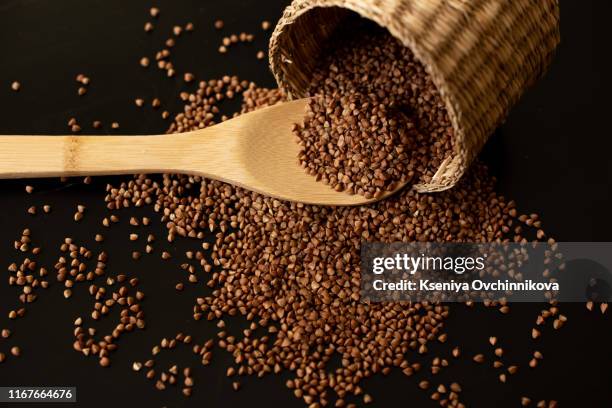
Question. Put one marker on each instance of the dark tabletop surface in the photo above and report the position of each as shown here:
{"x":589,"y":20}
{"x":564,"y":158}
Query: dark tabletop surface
{"x":552,"y":156}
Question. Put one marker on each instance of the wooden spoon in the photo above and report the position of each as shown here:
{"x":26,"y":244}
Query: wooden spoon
{"x":256,"y":151}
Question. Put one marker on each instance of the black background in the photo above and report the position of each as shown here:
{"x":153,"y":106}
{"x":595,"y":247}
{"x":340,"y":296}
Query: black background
{"x":552,"y":156}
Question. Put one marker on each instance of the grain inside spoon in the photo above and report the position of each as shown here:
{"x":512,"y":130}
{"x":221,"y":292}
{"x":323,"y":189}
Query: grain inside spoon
{"x":256,"y":151}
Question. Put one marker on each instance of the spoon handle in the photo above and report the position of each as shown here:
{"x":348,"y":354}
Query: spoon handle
{"x":50,"y":156}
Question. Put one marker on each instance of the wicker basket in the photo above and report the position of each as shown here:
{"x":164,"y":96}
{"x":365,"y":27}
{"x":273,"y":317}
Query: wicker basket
{"x":481,"y":54}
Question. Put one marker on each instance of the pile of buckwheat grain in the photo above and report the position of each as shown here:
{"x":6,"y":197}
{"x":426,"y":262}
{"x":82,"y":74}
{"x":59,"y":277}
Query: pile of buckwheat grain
{"x":294,"y":269}
{"x":376,"y":119}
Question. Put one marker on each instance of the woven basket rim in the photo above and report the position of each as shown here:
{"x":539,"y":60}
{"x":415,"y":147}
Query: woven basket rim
{"x":409,"y":42}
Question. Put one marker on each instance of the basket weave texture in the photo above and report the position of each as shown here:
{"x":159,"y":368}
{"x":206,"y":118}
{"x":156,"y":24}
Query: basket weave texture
{"x":481,"y":54}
